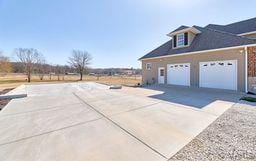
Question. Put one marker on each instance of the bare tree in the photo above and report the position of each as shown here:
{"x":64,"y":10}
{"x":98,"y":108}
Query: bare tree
{"x":28,"y":57}
{"x":41,"y":66}
{"x":58,"y":71}
{"x":80,"y":61}
{"x":5,"y":65}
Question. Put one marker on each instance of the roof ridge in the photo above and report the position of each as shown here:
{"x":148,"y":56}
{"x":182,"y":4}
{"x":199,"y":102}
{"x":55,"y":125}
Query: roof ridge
{"x":240,"y":21}
{"x":227,"y":33}
{"x":214,"y":24}
{"x":184,"y":25}
{"x":232,"y":22}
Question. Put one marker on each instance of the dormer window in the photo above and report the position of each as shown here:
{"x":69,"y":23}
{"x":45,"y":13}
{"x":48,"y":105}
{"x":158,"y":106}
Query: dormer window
{"x":180,"y":40}
{"x":183,"y":36}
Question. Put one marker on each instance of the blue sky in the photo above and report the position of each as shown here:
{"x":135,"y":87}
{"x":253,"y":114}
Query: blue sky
{"x":115,"y":32}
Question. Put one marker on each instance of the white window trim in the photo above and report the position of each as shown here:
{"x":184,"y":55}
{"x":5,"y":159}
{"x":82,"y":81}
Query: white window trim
{"x":183,"y":40}
{"x":148,"y":66}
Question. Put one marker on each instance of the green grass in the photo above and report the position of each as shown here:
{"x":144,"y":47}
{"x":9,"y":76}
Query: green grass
{"x":249,"y":99}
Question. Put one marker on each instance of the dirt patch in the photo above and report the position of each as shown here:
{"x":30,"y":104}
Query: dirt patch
{"x":5,"y":101}
{"x":5,"y":91}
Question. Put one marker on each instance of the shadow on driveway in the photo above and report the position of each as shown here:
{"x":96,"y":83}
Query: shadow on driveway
{"x":193,"y":96}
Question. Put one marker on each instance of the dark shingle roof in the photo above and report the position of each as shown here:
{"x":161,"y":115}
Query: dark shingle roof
{"x":208,"y":39}
{"x":180,"y":28}
{"x":236,"y":28}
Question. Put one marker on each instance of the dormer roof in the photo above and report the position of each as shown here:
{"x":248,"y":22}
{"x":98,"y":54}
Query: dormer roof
{"x":183,"y":29}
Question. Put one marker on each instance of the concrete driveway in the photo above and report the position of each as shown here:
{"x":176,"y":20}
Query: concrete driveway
{"x":87,"y":121}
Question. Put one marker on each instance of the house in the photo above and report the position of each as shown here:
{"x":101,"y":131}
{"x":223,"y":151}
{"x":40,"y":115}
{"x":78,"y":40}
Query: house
{"x":129,"y":72}
{"x":214,"y":56}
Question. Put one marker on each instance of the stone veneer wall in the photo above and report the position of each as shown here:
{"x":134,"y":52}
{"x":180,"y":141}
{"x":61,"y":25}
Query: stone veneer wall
{"x":252,"y":69}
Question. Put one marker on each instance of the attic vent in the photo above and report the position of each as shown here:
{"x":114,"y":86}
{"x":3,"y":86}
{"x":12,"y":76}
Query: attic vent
{"x":221,"y":63}
{"x":212,"y":64}
{"x":230,"y":64}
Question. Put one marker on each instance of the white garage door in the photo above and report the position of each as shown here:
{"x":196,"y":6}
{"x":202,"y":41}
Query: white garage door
{"x":178,"y":74}
{"x":218,"y":74}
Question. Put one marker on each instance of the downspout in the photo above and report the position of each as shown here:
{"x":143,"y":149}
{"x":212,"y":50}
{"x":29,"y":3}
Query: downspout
{"x":246,"y":69}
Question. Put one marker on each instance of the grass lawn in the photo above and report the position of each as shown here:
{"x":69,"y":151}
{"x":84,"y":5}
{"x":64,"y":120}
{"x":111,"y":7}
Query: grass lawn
{"x":13,"y":80}
{"x":249,"y":99}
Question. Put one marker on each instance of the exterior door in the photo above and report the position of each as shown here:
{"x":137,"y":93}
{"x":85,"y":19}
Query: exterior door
{"x":218,"y":74}
{"x":161,"y":74}
{"x":178,"y":74}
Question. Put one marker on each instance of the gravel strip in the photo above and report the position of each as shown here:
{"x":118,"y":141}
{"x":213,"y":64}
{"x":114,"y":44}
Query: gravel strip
{"x":231,"y":137}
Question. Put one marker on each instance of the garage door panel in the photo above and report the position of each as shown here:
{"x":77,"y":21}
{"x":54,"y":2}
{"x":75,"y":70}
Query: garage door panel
{"x":219,"y":74}
{"x":178,"y":74}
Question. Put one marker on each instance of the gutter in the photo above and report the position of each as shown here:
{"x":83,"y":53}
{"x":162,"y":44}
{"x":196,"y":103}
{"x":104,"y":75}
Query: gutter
{"x":246,"y":69}
{"x":198,"y":52}
{"x":247,"y":33}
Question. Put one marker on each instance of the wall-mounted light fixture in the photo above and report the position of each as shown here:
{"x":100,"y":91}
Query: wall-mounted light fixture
{"x":241,"y":51}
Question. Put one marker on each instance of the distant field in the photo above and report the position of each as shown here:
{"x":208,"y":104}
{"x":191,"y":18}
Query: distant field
{"x":13,"y":80}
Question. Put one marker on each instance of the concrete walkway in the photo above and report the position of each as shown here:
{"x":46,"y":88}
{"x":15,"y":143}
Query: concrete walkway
{"x":87,"y":121}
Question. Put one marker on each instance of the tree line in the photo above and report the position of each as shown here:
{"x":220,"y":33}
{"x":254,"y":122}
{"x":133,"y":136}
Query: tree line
{"x":31,"y":61}
{"x":5,"y":65}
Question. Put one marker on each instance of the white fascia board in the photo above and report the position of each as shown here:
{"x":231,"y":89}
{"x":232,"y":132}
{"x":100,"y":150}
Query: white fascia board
{"x":198,"y":52}
{"x":247,"y":33}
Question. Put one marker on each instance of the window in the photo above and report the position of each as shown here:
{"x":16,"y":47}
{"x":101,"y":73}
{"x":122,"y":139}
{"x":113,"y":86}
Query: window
{"x":148,"y":66}
{"x":180,"y":40}
{"x":161,"y":72}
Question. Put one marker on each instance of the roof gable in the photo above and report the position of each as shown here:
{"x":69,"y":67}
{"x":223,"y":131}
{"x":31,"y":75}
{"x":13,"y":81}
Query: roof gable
{"x":183,"y":29}
{"x":180,"y":28}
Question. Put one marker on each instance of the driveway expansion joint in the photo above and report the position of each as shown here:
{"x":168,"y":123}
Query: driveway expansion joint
{"x":138,"y":108}
{"x":38,"y":110}
{"x":113,"y":122}
{"x":48,"y":132}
